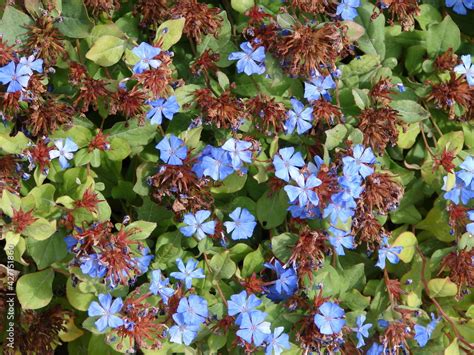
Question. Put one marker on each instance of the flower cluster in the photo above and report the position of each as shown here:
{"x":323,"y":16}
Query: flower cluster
{"x":237,"y":176}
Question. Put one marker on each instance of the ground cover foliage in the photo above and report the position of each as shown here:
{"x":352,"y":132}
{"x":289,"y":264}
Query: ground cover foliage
{"x":233,"y":177}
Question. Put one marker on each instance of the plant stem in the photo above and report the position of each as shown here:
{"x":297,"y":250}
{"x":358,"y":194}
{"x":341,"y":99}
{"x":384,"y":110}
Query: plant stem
{"x":216,"y":283}
{"x":438,"y":306}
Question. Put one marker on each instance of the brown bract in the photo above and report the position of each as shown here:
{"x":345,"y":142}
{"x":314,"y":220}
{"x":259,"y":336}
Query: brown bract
{"x":6,"y":52}
{"x":310,"y":6}
{"x":309,"y":252}
{"x":446,"y":61}
{"x":454,"y":91}
{"x":305,"y":48}
{"x":130,"y":103}
{"x":201,"y":20}
{"x":90,"y":90}
{"x":157,"y":80}
{"x":381,"y":91}
{"x":180,"y":187}
{"x":325,"y":111}
{"x":98,"y":6}
{"x":379,"y":126}
{"x":403,"y":10}
{"x":37,"y":332}
{"x":381,"y":193}
{"x":45,"y":116}
{"x":46,"y":39}
{"x":151,"y":11}
{"x":225,"y":111}
{"x":459,"y":265}
{"x":205,"y":63}
{"x":266,"y":113}
{"x":147,"y":331}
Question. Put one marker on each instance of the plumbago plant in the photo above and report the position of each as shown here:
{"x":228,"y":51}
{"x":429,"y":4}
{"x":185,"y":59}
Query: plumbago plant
{"x":237,"y":177}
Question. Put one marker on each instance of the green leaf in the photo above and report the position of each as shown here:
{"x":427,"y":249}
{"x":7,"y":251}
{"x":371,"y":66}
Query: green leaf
{"x":453,"y":348}
{"x":442,"y":287}
{"x":408,"y":241}
{"x":440,"y":37}
{"x":231,"y":184}
{"x":132,"y":132}
{"x":170,"y":32}
{"x":223,"y":267}
{"x":436,"y":221}
{"x":75,"y":21}
{"x":140,"y":229}
{"x":361,"y":98}
{"x":106,"y":51}
{"x":335,"y":136}
{"x":410,"y":111}
{"x":40,"y":229}
{"x":282,"y":245}
{"x":272,"y":209}
{"x":46,"y":252}
{"x":242,"y":5}
{"x":407,"y":137}
{"x":253,"y":262}
{"x":428,"y":15}
{"x":35,"y":290}
{"x":119,"y":149}
{"x":76,"y":298}
{"x":452,"y":141}
{"x":14,"y":25}
{"x":373,"y":40}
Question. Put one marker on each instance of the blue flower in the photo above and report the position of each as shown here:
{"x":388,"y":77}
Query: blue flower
{"x":92,"y":266}
{"x":423,"y":334}
{"x":250,"y":61}
{"x":340,"y":239}
{"x":467,"y":172}
{"x":15,"y":75}
{"x":318,"y":88}
{"x":29,"y":64}
{"x":146,"y":53}
{"x":339,"y":209}
{"x":287,"y":162}
{"x":239,"y":304}
{"x":143,"y":262}
{"x":330,"y":318}
{"x":253,"y":328}
{"x":277,"y":342}
{"x":188,"y":272}
{"x":466,"y":67}
{"x":470,"y":226}
{"x":300,"y":117}
{"x":162,"y":107}
{"x":351,"y":186}
{"x":195,"y":225}
{"x":459,"y":6}
{"x":459,"y":192}
{"x":214,"y":162}
{"x":239,"y":152}
{"x":107,"y":311}
{"x":243,"y":224}
{"x":160,"y":286}
{"x":375,"y":349}
{"x":286,"y":283}
{"x":359,"y":162}
{"x":304,"y":191}
{"x":347,"y":9}
{"x":362,"y":330}
{"x":182,"y":332}
{"x":172,"y":150}
{"x":390,"y":253}
{"x":194,"y":309}
{"x":64,"y":151}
